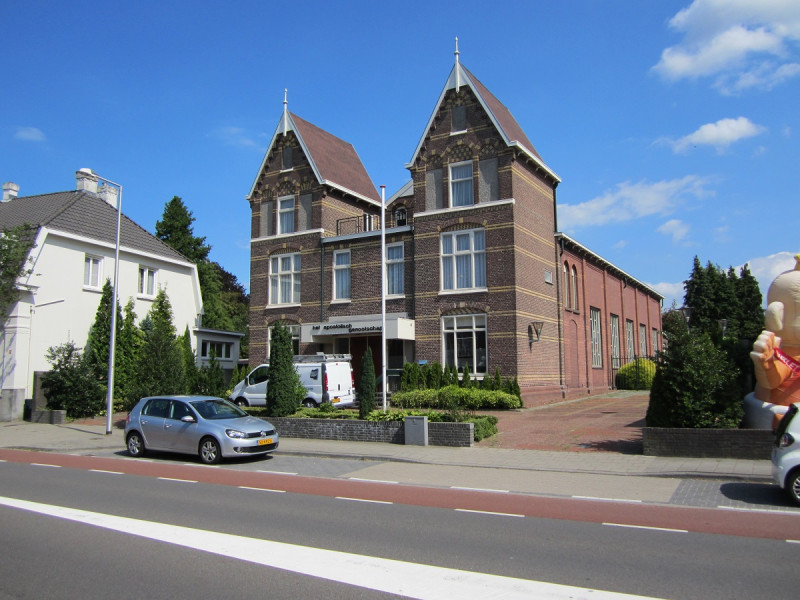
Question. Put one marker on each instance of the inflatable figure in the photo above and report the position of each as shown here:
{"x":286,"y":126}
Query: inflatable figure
{"x":776,"y":354}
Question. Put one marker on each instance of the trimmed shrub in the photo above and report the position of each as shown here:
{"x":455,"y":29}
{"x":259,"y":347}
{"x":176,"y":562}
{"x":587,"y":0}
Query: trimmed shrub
{"x":636,"y":375}
{"x":456,"y":398}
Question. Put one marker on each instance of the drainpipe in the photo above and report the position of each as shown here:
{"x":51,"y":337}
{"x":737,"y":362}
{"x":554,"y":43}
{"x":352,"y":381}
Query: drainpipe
{"x":559,"y":293}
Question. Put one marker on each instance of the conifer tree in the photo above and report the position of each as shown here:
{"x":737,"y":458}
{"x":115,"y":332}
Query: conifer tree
{"x":365,"y":393}
{"x":751,"y":316}
{"x":98,"y":343}
{"x":282,"y":381}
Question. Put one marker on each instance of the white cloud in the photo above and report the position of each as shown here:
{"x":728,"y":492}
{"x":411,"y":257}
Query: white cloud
{"x":672,"y":292}
{"x":675,"y":228}
{"x":742,"y":44}
{"x":29,"y":134}
{"x":720,"y":135}
{"x":767,"y":268}
{"x":631,"y":201}
{"x":236,"y":136}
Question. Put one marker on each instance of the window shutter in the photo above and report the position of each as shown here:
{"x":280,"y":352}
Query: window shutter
{"x":434,"y":199}
{"x":267,"y":219}
{"x":487,"y":184}
{"x":305,"y":212}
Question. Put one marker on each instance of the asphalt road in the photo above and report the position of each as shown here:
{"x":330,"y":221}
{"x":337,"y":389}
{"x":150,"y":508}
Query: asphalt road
{"x":650,"y":550}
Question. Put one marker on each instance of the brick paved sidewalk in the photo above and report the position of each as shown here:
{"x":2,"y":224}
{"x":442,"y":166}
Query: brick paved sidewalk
{"x":605,"y":423}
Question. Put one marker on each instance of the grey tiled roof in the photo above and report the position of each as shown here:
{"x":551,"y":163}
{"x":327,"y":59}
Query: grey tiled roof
{"x":83,"y":214}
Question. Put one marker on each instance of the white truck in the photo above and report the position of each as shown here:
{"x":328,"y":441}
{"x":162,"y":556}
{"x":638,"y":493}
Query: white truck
{"x":326,"y":377}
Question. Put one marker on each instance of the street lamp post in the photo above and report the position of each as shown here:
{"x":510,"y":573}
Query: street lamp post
{"x":113,"y":337}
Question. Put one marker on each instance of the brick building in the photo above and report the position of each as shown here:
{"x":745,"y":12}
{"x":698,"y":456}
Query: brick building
{"x":477,"y":272}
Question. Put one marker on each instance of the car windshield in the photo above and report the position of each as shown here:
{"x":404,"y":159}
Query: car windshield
{"x":217,"y":409}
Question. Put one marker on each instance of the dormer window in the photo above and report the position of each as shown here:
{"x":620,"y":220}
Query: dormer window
{"x":458,"y":119}
{"x":287,"y":158}
{"x":400,"y":217}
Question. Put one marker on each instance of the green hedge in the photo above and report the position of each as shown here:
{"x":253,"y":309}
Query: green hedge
{"x":636,"y":375}
{"x":457,"y":398}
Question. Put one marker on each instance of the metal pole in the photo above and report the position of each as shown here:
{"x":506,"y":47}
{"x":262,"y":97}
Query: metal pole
{"x":383,"y":295}
{"x":112,"y":342}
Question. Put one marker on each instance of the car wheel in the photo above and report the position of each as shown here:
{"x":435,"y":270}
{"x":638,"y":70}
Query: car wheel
{"x":135,"y":444}
{"x":309,"y":403}
{"x":210,"y":452}
{"x":241,"y":403}
{"x":793,"y":486}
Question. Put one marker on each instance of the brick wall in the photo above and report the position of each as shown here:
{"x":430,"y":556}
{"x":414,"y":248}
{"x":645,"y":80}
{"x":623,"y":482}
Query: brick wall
{"x":708,"y":443}
{"x":439,"y":434}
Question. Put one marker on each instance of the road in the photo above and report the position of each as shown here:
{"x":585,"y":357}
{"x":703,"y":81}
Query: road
{"x":335,"y":536}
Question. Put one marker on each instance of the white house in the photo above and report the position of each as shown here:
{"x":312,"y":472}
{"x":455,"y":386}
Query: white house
{"x":72,"y":258}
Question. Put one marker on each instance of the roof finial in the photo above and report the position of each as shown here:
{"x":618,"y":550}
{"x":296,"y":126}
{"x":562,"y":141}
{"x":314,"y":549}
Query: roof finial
{"x":285,"y":110}
{"x":458,"y":69}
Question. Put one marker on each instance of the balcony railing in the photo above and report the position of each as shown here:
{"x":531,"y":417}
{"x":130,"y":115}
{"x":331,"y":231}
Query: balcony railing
{"x":365,"y":222}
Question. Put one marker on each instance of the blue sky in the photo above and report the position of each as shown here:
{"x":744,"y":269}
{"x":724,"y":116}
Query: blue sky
{"x":674,"y":125}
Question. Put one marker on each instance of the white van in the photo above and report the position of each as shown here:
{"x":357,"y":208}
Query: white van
{"x":326,"y":377}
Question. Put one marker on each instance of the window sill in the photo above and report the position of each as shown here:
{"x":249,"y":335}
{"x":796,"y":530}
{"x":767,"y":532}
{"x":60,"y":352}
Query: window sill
{"x":145,"y":297}
{"x":460,"y":132}
{"x":464,"y":291}
{"x":95,"y":290}
{"x":342,"y":301}
{"x":294,"y":305}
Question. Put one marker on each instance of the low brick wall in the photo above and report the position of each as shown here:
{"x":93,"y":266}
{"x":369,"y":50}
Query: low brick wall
{"x":708,"y":443}
{"x":391,"y":432}
{"x":54,"y":417}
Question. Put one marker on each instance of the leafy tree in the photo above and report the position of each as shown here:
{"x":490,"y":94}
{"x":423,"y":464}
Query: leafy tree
{"x":282,"y":381}
{"x":365,"y":392}
{"x":15,"y":244}
{"x":159,"y":368}
{"x":695,"y":384}
{"x":71,"y":384}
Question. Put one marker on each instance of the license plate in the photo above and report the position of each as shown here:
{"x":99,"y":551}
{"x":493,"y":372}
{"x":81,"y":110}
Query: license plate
{"x":337,"y":399}
{"x":265,"y":441}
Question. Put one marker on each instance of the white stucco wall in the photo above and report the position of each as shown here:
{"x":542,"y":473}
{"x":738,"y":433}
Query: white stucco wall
{"x":63,"y":309}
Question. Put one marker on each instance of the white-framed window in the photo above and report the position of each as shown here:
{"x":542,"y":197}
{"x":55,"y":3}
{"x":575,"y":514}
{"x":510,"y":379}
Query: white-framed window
{"x":341,"y":275}
{"x":294,"y":331}
{"x":458,"y":119}
{"x":629,"y":342}
{"x":565,"y":296}
{"x":597,"y":338}
{"x":463,"y":260}
{"x":217,"y":349}
{"x":147,"y":282}
{"x":286,"y":214}
{"x":464,"y":342}
{"x":616,"y":363}
{"x":284,"y":279}
{"x":395,"y":270}
{"x":461,"y":192}
{"x":92,"y":271}
{"x":654,"y":340}
{"x":642,"y":339}
{"x":548,"y":276}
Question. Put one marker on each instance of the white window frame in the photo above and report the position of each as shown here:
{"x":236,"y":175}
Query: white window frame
{"x":288,"y":226}
{"x":630,"y":343}
{"x":616,"y":361}
{"x":92,"y":272}
{"x":284,"y":276}
{"x":469,"y":338}
{"x":452,"y":261}
{"x":642,"y":339}
{"x":466,"y":183}
{"x":341,"y":270}
{"x":225,"y":348}
{"x":147,"y":285}
{"x":597,"y":338}
{"x":395,"y":264}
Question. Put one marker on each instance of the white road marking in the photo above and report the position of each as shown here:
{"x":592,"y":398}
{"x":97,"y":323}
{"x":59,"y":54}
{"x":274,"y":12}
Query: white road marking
{"x":179,"y":480}
{"x":647,"y":527}
{"x":607,"y":499}
{"x":106,"y":472}
{"x":473,"y":489}
{"x":276,"y":472}
{"x":363,"y":500}
{"x":391,"y":576}
{"x":373,"y":480}
{"x":244,"y":487}
{"x":486,"y":512}
{"x":46,"y":465}
{"x":762,"y":510}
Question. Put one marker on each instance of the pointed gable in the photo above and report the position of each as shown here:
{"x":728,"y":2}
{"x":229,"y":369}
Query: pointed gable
{"x":500,"y":116}
{"x":335,"y":163}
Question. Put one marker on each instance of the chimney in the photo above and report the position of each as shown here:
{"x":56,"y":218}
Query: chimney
{"x":108,"y":193}
{"x":10,"y":191}
{"x":86,"y":180}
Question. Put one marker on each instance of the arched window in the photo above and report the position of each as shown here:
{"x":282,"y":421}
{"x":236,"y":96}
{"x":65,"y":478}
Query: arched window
{"x":565,"y":295}
{"x":400,"y":217}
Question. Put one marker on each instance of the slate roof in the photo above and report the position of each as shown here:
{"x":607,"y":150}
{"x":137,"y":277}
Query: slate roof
{"x":83,"y":214}
{"x":334,"y":161}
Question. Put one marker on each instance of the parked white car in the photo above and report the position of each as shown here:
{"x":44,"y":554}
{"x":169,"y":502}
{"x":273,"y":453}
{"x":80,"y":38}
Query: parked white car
{"x":326,"y":377}
{"x":786,"y":454}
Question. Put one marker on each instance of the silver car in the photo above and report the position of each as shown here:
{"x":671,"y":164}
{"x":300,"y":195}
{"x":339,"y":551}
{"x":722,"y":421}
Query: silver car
{"x":786,"y":454}
{"x":210,"y":427}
